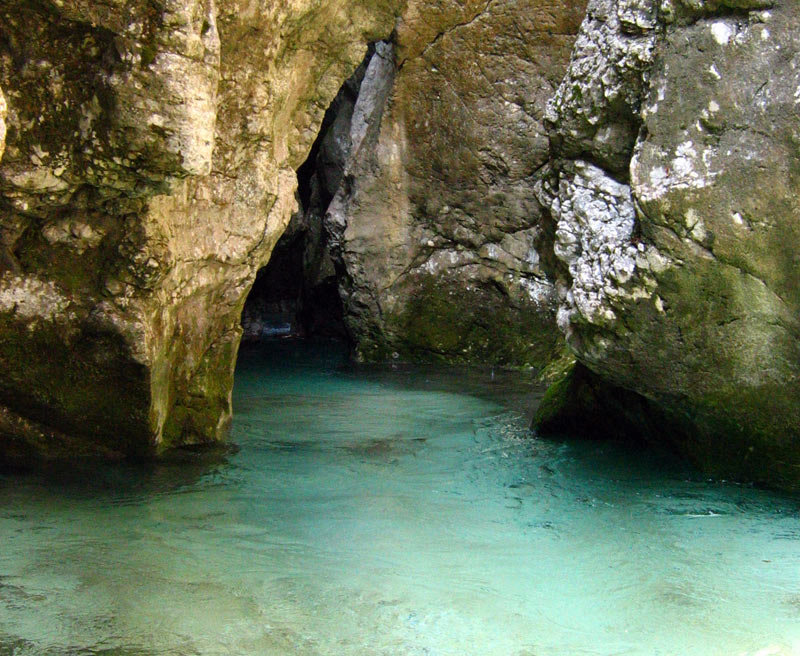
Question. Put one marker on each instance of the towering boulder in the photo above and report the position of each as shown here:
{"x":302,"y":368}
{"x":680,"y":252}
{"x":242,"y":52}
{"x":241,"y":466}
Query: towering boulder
{"x":434,"y":225}
{"x":675,"y":200}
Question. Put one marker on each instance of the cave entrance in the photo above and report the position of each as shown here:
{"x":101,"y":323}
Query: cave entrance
{"x":297,"y":293}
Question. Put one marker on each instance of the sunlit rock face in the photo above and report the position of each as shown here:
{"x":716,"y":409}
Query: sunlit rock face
{"x":435,"y":228}
{"x":675,"y":196}
{"x":148,"y":171}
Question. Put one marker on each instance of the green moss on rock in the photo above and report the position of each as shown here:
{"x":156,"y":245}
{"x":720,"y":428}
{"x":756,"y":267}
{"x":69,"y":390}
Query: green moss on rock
{"x":74,"y":384}
{"x":581,"y":404}
{"x":454,"y":320}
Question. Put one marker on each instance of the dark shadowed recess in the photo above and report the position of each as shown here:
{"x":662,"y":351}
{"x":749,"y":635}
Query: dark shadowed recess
{"x":297,"y":293}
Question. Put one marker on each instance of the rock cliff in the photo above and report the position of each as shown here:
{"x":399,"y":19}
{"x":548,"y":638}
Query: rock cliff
{"x":149,"y":169}
{"x":628,"y":172}
{"x":435,"y":225}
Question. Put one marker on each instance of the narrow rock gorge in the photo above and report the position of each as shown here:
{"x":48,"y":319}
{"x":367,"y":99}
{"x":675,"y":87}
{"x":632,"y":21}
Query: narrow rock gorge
{"x":423,"y":180}
{"x":514,"y":183}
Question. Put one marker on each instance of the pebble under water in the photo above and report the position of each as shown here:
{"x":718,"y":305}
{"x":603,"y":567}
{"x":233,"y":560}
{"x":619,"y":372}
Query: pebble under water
{"x":395,"y":511}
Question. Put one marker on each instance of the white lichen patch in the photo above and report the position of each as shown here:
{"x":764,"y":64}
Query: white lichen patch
{"x":690,"y":167}
{"x":596,"y":220}
{"x":442,"y":260}
{"x":722,"y":32}
{"x":683,"y":162}
{"x":31,"y":298}
{"x":540,"y":292}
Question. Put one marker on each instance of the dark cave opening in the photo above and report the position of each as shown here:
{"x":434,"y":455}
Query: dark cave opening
{"x":284,"y":302}
{"x":297,"y":293}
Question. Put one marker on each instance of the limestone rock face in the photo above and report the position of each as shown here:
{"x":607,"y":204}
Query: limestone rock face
{"x":149,"y":169}
{"x":475,"y":186}
{"x":435,"y":227}
{"x":675,"y":198}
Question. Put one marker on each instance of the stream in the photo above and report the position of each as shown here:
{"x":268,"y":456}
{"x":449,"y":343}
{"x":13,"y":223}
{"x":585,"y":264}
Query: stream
{"x":397,"y":511}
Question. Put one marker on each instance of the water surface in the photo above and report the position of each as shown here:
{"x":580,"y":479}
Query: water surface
{"x":395,"y":511}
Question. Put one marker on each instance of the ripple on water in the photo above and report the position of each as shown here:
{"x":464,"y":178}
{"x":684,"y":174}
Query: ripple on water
{"x":395,"y":511}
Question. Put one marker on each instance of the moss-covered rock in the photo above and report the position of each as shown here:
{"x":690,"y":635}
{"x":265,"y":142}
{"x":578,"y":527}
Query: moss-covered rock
{"x":445,"y":319}
{"x":581,"y":404}
{"x":674,"y":194}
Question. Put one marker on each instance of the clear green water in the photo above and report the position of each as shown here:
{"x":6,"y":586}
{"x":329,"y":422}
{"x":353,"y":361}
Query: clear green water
{"x":395,"y":512}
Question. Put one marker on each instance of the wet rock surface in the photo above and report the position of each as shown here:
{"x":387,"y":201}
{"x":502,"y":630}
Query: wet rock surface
{"x":434,"y":228}
{"x":495,"y":174}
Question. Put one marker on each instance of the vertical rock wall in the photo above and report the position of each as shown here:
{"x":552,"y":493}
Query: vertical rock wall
{"x":650,"y":209}
{"x":435,"y":225}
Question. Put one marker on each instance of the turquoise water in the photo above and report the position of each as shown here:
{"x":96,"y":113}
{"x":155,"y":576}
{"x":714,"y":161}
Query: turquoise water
{"x":381,"y":511}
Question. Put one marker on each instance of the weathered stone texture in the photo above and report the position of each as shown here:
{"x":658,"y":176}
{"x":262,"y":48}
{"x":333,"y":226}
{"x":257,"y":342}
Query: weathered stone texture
{"x":702,"y":222}
{"x":149,"y":170}
{"x":436,"y":227}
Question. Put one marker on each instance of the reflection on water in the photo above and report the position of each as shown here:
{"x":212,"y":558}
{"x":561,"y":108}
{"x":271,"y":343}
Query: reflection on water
{"x":395,"y":512}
